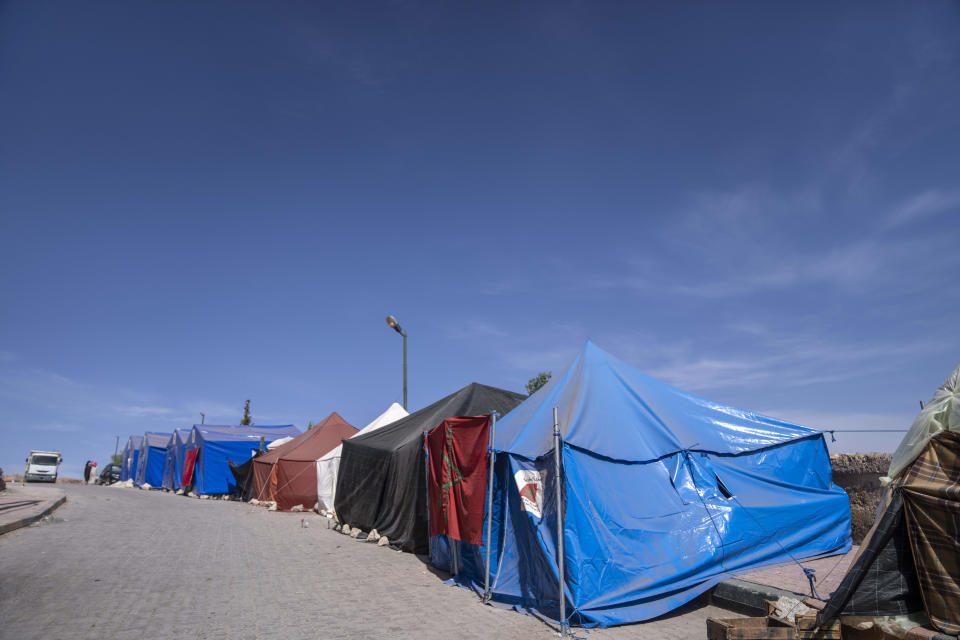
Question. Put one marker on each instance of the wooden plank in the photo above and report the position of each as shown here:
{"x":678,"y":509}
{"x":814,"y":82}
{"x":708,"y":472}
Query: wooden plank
{"x":748,"y":629}
{"x":813,"y":603}
{"x":806,"y":628}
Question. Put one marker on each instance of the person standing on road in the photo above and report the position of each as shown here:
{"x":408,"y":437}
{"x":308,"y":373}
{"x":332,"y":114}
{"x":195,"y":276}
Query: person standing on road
{"x":86,"y":472}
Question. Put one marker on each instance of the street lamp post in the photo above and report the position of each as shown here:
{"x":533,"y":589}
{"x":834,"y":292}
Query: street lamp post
{"x":393,"y":324}
{"x":203,"y":417}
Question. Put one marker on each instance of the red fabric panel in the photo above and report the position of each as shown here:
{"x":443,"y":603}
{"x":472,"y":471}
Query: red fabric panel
{"x":296,"y":484}
{"x":188,"y":464}
{"x":458,"y":477}
{"x":308,"y":446}
{"x":294,"y":478}
{"x":262,"y":470}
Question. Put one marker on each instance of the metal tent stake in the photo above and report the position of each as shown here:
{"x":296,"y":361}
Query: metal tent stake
{"x":558,"y":486}
{"x":492,"y":456}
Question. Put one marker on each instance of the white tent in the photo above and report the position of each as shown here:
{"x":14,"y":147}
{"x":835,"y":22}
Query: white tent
{"x":279,"y":442}
{"x":329,"y":464}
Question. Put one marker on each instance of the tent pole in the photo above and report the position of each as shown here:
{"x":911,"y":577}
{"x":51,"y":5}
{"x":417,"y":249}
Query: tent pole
{"x":492,"y":457}
{"x":426,"y":486}
{"x":558,"y":486}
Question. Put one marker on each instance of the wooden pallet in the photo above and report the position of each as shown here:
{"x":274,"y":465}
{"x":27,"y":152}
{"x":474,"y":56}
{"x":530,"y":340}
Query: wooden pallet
{"x":774,"y":628}
{"x":749,"y":629}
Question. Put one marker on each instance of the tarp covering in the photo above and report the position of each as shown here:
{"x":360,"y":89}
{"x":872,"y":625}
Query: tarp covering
{"x":296,"y":469}
{"x":173,"y":464}
{"x":180,"y":437}
{"x":931,"y":499}
{"x":278,"y":443}
{"x":941,"y":413}
{"x":329,"y":464}
{"x":153,"y":454}
{"x":218,"y":444}
{"x":882,"y":578}
{"x":323,"y":437}
{"x":168,"y":465}
{"x":665,"y":494}
{"x":131,"y":456}
{"x":910,"y":558}
{"x":457,"y":457}
{"x":243,"y":476}
{"x":382,"y":481}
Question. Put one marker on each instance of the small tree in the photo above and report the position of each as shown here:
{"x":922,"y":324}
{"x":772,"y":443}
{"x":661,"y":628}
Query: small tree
{"x":247,"y":419}
{"x":534,"y":383}
{"x":116,"y":458}
{"x":310,"y":425}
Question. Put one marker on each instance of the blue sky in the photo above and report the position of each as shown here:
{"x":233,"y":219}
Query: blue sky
{"x":206,"y":202}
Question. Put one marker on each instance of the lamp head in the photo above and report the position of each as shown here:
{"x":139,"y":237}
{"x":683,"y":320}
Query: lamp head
{"x":393,"y":324}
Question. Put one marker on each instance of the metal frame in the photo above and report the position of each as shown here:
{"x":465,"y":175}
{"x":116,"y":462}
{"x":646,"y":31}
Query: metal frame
{"x":492,"y":455}
{"x":558,"y":490}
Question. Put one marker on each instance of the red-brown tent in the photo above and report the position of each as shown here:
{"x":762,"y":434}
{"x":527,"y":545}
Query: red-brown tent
{"x":288,"y":474}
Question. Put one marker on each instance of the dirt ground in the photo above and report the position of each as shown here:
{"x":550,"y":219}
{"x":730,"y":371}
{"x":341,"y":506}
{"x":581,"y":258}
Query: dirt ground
{"x":859,"y":475}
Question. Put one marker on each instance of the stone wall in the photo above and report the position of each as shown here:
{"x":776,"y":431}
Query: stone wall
{"x":859,"y":475}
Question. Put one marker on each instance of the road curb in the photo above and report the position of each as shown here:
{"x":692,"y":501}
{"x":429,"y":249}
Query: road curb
{"x":743,"y":596}
{"x":26,"y":521}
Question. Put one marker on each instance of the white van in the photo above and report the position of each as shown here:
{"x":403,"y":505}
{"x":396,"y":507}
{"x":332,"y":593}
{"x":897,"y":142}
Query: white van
{"x":42,"y":466}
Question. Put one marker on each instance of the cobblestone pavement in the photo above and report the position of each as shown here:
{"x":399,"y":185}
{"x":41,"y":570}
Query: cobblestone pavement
{"x":122,"y":563}
{"x":31,"y":500}
{"x":790,"y":576}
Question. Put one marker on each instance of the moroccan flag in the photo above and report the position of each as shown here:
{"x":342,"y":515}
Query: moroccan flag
{"x":458,"y":477}
{"x":188,"y":463}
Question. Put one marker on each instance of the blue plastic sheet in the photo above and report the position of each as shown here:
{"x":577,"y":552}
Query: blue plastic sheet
{"x":150,"y":463}
{"x":173,"y":463}
{"x":131,"y":457}
{"x":220,"y":444}
{"x":665,"y":495}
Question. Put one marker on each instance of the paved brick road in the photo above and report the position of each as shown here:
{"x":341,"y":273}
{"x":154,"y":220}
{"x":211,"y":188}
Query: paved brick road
{"x":122,"y":563}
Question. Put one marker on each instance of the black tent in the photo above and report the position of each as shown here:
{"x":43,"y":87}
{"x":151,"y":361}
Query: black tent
{"x":243,"y":474}
{"x":882,"y":581}
{"x":910,"y":558}
{"x":382,"y":484}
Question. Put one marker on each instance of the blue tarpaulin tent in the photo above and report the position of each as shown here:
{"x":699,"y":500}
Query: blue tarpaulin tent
{"x":219,"y":444}
{"x":173,"y":463}
{"x":131,"y":456}
{"x":664,"y":495}
{"x":153,"y":453}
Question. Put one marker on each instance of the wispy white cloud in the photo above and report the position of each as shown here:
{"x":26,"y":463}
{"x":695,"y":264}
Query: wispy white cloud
{"x":776,"y":359}
{"x":61,"y":403}
{"x":58,"y":427}
{"x":926,"y":204}
{"x":136,"y":411}
{"x":475,"y":328}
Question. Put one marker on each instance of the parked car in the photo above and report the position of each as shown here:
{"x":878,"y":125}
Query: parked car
{"x":110,"y":474}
